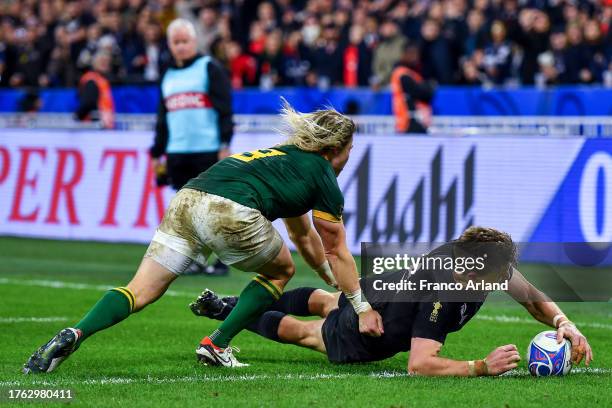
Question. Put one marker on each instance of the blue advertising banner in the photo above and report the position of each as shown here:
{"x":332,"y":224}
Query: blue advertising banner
{"x":561,"y":101}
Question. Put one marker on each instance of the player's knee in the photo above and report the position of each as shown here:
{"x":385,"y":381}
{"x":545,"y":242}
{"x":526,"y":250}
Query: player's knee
{"x":322,"y":302}
{"x":288,"y":331}
{"x":287,"y":272}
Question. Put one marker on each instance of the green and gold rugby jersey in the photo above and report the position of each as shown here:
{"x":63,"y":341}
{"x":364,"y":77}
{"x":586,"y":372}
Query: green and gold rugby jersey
{"x":281,"y":182}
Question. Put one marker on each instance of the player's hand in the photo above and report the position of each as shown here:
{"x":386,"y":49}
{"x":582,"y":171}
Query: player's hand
{"x":580,"y":345}
{"x":502,"y":359}
{"x":159,"y":167}
{"x":370,"y":323}
{"x":223,"y":153}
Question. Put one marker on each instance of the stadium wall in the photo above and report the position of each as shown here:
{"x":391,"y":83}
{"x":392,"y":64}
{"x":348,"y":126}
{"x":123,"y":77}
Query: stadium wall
{"x":95,"y":185}
{"x":559,"y":101}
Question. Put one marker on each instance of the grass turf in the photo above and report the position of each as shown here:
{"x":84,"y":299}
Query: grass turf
{"x":148,"y":360}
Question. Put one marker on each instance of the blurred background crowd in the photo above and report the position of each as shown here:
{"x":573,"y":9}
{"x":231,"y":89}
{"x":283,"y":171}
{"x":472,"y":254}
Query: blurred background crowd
{"x":317,"y":43}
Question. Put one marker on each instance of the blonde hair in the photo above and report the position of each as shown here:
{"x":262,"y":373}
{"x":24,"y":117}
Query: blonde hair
{"x":317,"y":131}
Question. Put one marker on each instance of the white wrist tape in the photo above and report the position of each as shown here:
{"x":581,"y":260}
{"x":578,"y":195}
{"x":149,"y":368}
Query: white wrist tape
{"x":325,"y":270}
{"x":358,"y":301}
{"x":556,"y":319}
{"x":472,"y":368}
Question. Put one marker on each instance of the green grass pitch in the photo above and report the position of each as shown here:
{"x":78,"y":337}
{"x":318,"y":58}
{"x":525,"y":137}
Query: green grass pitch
{"x":149,"y":359}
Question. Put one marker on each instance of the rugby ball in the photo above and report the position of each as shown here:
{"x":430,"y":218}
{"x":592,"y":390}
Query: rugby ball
{"x":546,"y":357}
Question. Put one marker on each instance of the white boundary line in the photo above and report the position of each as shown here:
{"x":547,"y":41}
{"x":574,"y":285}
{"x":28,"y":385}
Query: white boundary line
{"x":85,"y":286}
{"x":257,"y":377}
{"x":55,"y":284}
{"x":514,"y":319}
{"x":33,"y":319}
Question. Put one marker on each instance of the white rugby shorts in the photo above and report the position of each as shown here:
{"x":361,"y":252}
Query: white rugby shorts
{"x":197,"y":223}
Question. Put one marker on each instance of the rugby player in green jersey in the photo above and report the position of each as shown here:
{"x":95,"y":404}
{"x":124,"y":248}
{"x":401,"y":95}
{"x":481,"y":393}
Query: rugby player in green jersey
{"x":229,"y":210}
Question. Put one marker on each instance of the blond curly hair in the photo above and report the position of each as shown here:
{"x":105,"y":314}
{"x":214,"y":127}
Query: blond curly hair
{"x":317,"y":131}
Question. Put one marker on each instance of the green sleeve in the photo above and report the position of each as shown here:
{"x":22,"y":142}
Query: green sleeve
{"x":330,"y":201}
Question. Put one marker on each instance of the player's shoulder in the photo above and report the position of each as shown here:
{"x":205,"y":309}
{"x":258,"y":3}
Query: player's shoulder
{"x":304,"y":157}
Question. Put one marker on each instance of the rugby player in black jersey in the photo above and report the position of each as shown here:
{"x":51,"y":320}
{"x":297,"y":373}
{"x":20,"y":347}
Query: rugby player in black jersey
{"x":419,"y":325}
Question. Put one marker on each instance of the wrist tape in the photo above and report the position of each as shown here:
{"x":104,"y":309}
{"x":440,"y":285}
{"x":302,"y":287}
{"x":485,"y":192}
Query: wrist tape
{"x":358,"y":301}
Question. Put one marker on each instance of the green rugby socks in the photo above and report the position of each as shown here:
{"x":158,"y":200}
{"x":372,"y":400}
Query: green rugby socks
{"x":113,"y":307}
{"x":253,"y":301}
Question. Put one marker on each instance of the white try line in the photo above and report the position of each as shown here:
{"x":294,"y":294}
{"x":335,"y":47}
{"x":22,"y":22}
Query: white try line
{"x":33,"y":319}
{"x":86,"y":286}
{"x":55,"y":284}
{"x":514,"y":319}
{"x":259,"y":377}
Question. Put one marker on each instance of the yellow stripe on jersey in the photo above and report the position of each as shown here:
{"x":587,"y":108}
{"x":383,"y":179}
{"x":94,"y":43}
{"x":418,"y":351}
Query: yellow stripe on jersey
{"x":257,"y":154}
{"x":268,"y":285}
{"x":128,"y":294}
{"x":326,"y":216}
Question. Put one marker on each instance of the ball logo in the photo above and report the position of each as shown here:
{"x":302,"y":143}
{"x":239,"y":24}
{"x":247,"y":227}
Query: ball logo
{"x":546,"y":357}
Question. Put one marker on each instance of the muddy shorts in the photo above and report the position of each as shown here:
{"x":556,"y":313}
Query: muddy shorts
{"x":198,"y":223}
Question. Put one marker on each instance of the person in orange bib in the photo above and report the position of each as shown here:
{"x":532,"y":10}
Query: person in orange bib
{"x":411,"y":94}
{"x":95,"y":96}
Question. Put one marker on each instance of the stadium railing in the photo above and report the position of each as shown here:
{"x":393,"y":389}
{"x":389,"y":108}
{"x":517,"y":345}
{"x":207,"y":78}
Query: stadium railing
{"x":588,"y":126}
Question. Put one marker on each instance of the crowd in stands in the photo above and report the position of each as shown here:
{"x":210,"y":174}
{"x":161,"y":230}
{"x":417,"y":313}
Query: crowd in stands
{"x":317,"y":43}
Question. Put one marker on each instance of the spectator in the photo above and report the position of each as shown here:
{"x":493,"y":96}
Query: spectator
{"x":50,"y":42}
{"x":498,"y":55}
{"x":328,"y":58}
{"x":594,"y":42}
{"x":470,"y":75}
{"x":266,"y":15}
{"x":108,"y":45}
{"x":476,"y":32}
{"x":257,"y":38}
{"x":533,"y":35}
{"x":387,"y":52}
{"x":310,"y":31}
{"x":577,"y":56}
{"x":357,"y":59}
{"x":435,"y":53}
{"x":95,"y":97}
{"x":30,"y":66}
{"x":155,"y":54}
{"x":296,"y":65}
{"x":61,"y":70}
{"x":270,"y":67}
{"x":411,"y":94}
{"x":243,"y":67}
{"x":558,"y":48}
{"x":548,"y":73}
{"x":165,"y":13}
{"x":85,"y":57}
{"x":206,"y":23}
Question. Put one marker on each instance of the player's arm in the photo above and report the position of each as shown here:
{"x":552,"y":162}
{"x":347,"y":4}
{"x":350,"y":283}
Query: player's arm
{"x":333,"y":237}
{"x":309,"y":245}
{"x":220,"y":92}
{"x":543,"y":309}
{"x":160,"y":141}
{"x":425,"y":360}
